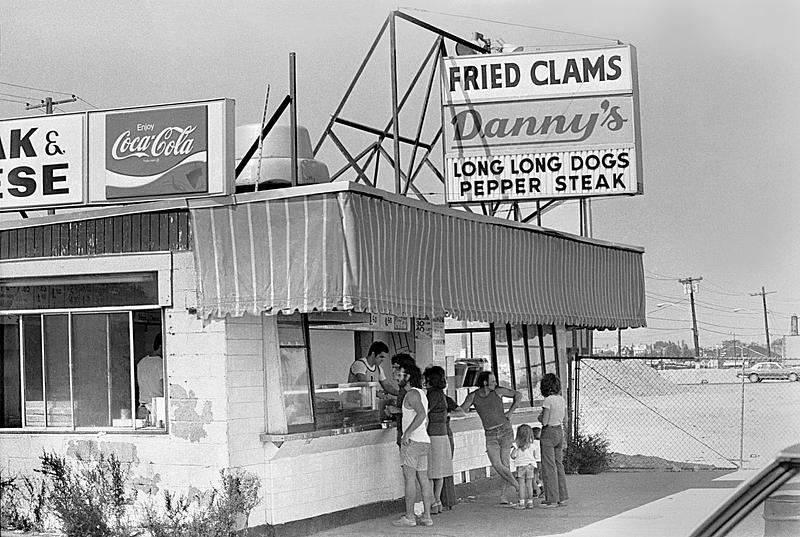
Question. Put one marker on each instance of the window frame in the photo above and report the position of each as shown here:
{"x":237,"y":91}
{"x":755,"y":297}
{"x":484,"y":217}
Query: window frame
{"x":131,"y":362}
{"x":306,"y":346}
{"x":526,"y":333}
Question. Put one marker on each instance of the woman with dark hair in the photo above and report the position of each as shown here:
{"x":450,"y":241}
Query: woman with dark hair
{"x":488,"y":401}
{"x":440,"y":457}
{"x":554,"y":410}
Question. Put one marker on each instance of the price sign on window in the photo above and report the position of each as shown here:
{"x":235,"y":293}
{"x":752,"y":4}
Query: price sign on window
{"x":422,"y":328}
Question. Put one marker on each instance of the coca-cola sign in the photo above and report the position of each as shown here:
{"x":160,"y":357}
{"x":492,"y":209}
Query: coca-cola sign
{"x":156,"y":152}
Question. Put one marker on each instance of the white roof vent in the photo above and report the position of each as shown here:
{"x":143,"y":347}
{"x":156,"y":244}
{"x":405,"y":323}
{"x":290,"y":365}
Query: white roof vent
{"x":276,"y":159}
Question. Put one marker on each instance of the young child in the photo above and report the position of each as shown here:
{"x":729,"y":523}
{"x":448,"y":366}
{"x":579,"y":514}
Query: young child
{"x":537,"y":454}
{"x":525,"y":461}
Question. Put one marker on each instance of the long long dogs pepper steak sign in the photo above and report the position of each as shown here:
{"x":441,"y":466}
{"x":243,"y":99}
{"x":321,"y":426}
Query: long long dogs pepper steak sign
{"x":541,"y":125}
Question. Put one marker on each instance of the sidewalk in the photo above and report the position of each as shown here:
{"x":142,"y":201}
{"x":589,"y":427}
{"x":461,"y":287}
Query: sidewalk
{"x":614,"y":504}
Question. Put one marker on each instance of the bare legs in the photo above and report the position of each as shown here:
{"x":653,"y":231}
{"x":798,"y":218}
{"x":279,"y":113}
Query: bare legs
{"x":411,"y":478}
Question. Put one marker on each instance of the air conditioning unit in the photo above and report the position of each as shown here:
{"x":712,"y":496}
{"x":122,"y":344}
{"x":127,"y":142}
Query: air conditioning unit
{"x":275,"y":170}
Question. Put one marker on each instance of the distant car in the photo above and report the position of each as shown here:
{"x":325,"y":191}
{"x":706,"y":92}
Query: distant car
{"x":775,"y":488}
{"x":769,"y":371}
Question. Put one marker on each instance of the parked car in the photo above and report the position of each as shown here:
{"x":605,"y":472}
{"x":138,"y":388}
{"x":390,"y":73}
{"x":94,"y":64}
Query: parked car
{"x":769,"y":371}
{"x":776,"y":488}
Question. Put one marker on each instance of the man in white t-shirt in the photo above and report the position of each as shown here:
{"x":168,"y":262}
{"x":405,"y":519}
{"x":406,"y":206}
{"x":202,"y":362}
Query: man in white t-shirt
{"x":368,"y":369}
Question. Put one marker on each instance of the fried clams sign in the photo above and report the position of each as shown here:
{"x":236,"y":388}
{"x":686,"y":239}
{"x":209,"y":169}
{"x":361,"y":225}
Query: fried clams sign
{"x":541,"y":125}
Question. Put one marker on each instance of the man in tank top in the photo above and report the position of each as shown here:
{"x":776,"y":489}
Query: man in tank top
{"x":414,"y":445}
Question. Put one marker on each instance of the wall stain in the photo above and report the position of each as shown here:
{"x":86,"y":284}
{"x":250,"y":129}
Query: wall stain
{"x":90,"y":450}
{"x":185,"y":421}
{"x":147,"y":484}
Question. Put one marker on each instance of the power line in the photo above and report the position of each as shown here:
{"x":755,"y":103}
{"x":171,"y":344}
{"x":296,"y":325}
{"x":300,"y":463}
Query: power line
{"x":13,"y":101}
{"x":509,"y":23}
{"x":26,"y":97}
{"x":34,"y":89}
{"x":85,"y":101}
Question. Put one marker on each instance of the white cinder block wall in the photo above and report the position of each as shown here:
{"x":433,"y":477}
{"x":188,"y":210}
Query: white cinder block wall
{"x":247,"y":404}
{"x":216,"y":413}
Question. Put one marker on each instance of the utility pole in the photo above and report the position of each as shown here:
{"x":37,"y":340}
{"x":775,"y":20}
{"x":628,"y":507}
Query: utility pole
{"x":688,"y":283}
{"x":764,"y":294}
{"x":48,"y":103}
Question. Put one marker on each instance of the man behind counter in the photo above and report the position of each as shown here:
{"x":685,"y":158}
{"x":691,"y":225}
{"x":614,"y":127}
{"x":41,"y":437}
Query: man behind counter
{"x":369,"y":369}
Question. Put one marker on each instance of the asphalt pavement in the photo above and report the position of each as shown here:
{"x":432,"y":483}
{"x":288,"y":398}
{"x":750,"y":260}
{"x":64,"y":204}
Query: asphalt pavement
{"x":613,"y":504}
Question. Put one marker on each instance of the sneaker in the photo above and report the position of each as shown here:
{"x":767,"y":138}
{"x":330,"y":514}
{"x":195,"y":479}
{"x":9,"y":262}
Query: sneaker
{"x":425,"y":521}
{"x":520,"y":505}
{"x":563,"y":503}
{"x":529,"y":504}
{"x":406,"y":522}
{"x":545,"y":505}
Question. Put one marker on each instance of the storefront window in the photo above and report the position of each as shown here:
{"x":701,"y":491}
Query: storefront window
{"x":295,"y":377}
{"x":521,"y":368}
{"x":549,"y":348}
{"x":78,"y":370}
{"x":532,"y":351}
{"x":504,"y":374}
{"x":10,"y":393}
{"x":470,"y":346}
{"x":101,"y":368}
{"x":55,"y":329}
{"x":536,"y":358}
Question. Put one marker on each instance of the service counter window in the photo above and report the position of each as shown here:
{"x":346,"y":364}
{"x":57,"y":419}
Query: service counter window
{"x":82,"y":368}
{"x":316,"y":352}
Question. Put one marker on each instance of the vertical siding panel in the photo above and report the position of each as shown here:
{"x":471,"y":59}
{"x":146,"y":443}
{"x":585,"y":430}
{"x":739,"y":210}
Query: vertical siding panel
{"x":163,"y":232}
{"x":108,"y":226}
{"x":91,"y":237}
{"x":8,"y":245}
{"x":116,"y":227}
{"x":72,"y":247}
{"x":154,"y":239}
{"x":80,"y":243}
{"x":38,"y":239}
{"x":28,"y":248}
{"x":183,"y":230}
{"x":3,"y":244}
{"x":173,"y":230}
{"x":62,"y":248}
{"x":55,"y":239}
{"x":126,"y":233}
{"x":99,"y":236}
{"x":144,"y":233}
{"x":136,"y":233}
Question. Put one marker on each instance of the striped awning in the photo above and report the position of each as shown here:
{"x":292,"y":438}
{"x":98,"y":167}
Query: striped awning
{"x":349,"y":247}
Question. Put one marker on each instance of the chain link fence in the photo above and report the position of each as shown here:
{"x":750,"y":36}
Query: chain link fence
{"x":664,"y":413}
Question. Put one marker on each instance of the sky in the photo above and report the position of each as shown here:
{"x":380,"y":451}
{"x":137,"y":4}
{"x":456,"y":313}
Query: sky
{"x":719,"y":111}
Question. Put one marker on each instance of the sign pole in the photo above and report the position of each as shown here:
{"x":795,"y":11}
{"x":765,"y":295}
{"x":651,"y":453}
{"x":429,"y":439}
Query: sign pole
{"x":48,"y":103}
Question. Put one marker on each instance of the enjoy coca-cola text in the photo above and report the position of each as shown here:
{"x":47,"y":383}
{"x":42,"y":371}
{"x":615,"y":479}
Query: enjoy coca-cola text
{"x":170,"y":141}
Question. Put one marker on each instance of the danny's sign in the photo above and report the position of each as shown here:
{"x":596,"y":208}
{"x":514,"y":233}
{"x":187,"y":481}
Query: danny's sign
{"x":541,"y":125}
{"x":117,"y":156}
